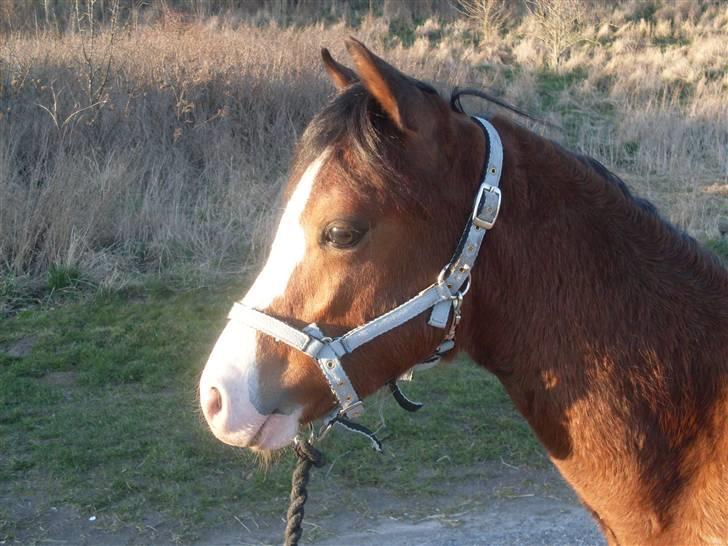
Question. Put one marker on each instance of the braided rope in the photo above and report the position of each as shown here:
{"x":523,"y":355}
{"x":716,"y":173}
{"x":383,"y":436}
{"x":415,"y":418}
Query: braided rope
{"x":308,"y":456}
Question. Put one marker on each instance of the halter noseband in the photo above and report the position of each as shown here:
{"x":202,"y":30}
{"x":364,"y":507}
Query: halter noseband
{"x":444,"y":294}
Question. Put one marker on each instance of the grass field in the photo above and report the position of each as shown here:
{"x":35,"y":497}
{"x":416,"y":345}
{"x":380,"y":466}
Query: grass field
{"x":98,"y":412}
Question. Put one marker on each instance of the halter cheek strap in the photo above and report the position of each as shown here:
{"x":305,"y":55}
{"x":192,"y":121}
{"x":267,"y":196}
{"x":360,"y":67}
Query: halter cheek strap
{"x":444,"y":295}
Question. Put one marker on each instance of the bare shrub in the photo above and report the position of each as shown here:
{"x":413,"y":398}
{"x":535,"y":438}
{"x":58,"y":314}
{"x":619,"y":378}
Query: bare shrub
{"x":487,"y":15}
{"x":559,"y":25}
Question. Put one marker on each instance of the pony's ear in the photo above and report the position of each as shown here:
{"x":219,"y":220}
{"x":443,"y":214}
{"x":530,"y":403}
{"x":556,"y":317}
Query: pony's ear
{"x":341,"y":76}
{"x":392,"y":90}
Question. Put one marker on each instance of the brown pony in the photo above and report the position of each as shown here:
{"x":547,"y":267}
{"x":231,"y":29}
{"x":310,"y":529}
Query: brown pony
{"x":607,"y":326}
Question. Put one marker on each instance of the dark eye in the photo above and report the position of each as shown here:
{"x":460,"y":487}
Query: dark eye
{"x":341,"y":234}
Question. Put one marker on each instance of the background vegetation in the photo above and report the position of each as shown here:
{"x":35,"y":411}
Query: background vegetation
{"x":151,"y":138}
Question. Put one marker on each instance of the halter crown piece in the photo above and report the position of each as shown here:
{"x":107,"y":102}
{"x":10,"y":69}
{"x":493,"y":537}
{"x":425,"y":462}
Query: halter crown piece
{"x":442,"y":296}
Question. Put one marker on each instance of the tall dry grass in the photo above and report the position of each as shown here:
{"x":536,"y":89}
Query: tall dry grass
{"x":189,"y":142}
{"x":176,"y":161}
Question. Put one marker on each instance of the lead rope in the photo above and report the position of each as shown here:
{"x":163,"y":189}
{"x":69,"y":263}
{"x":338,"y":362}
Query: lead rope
{"x":308,"y":456}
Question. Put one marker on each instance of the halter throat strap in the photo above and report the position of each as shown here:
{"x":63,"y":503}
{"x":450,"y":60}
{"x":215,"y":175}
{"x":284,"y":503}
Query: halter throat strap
{"x":442,"y":296}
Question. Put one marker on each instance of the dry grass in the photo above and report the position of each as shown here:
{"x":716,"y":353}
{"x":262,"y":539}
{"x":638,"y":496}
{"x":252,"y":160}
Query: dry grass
{"x":175,"y":163}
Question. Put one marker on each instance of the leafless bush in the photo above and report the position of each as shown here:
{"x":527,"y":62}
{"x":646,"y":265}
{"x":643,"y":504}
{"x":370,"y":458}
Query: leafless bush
{"x":559,"y":25}
{"x":488,"y":15}
{"x":96,"y":57}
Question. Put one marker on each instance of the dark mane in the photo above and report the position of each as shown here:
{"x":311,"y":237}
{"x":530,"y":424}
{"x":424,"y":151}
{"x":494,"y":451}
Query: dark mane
{"x":354,"y":122}
{"x":352,"y":118}
{"x":609,"y":176}
{"x":589,"y":162}
{"x":689,"y":244}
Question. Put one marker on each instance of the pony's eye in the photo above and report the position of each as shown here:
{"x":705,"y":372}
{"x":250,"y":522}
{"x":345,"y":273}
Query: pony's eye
{"x":342,"y":235}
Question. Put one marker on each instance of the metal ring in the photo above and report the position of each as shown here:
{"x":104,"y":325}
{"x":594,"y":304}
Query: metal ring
{"x":441,"y":275}
{"x":467,"y":284}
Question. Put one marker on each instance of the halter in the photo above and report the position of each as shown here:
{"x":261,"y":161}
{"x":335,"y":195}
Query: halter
{"x":442,"y":296}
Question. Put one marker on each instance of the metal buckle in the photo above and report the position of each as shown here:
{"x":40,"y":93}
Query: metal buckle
{"x":353,"y":410}
{"x":466,"y":283}
{"x":487,"y":206}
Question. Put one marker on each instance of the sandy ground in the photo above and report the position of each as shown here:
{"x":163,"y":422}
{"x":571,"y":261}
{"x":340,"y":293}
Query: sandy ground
{"x":522,"y":521}
{"x":503,"y":505}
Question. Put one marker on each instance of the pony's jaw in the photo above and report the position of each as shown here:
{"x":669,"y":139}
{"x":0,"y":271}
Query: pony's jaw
{"x":241,"y":408}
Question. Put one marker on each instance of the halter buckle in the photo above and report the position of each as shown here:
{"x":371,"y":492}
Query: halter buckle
{"x":353,"y":410}
{"x":487,"y":206}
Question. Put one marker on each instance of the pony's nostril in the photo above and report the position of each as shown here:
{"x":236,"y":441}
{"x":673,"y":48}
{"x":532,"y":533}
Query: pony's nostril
{"x":213,"y":404}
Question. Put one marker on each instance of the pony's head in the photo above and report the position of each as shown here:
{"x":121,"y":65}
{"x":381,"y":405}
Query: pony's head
{"x":381,"y":185}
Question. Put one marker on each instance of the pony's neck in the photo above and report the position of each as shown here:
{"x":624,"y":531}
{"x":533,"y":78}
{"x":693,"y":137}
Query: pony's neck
{"x":591,"y":311}
{"x":576,"y":266}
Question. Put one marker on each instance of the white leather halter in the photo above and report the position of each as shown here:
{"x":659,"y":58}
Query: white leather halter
{"x":444,"y":294}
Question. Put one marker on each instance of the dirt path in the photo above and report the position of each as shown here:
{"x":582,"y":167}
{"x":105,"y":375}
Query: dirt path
{"x":497,"y":504}
{"x":520,"y":521}
{"x":503,"y":506}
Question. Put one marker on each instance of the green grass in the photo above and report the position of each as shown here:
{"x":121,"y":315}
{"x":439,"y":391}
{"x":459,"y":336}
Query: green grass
{"x":719,"y":247}
{"x":551,"y":84}
{"x":101,"y":415}
{"x":61,"y":276}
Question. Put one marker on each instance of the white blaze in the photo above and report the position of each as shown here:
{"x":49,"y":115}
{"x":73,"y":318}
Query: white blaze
{"x":231,"y":367}
{"x":289,"y":245}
